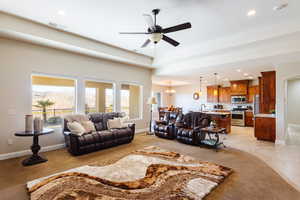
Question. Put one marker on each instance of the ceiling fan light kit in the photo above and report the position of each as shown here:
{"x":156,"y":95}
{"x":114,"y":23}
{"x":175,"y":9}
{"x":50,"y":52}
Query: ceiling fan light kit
{"x":156,"y":32}
{"x":156,"y":37}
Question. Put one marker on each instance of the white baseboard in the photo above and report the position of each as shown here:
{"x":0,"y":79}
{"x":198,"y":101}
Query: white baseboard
{"x":280,"y":142}
{"x":45,"y":149}
{"x":28,"y":152}
{"x":141,"y":130}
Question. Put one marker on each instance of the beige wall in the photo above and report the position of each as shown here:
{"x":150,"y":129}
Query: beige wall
{"x":19,"y":60}
{"x":18,"y":24}
{"x":15,"y":81}
{"x":184,"y":97}
{"x":293,"y":105}
{"x":134,"y":101}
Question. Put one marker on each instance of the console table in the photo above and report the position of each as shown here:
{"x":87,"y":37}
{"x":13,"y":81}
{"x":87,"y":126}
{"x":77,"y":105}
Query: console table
{"x":35,"y":158}
{"x":211,"y":137}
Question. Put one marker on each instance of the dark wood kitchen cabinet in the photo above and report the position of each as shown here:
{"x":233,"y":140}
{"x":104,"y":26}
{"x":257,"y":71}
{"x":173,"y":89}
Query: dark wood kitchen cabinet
{"x":253,"y":90}
{"x":239,"y":87}
{"x":225,"y":95}
{"x":265,"y":128}
{"x":213,"y":94}
{"x":267,"y":91}
{"x":249,"y":118}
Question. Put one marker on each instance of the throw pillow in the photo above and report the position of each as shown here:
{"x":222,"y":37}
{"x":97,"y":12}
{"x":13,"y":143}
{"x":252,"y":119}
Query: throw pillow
{"x":88,"y":126}
{"x":124,"y":121}
{"x":114,"y":123}
{"x":76,"y":128}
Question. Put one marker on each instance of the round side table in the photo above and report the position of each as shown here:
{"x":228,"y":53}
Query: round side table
{"x":35,"y":158}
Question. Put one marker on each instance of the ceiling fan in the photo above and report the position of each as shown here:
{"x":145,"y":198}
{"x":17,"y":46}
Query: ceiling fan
{"x":157,"y":33}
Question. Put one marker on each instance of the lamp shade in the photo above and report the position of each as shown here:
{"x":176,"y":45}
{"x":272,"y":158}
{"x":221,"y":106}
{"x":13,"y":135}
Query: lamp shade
{"x":151,"y":100}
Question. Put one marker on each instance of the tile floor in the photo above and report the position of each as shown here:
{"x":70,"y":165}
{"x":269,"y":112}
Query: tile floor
{"x":284,"y":159}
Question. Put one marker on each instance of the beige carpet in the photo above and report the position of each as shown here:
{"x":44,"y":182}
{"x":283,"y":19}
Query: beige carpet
{"x":149,"y":173}
{"x":252,"y":178}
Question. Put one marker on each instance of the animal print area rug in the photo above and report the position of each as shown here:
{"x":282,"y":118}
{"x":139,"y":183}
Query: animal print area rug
{"x":149,"y":173}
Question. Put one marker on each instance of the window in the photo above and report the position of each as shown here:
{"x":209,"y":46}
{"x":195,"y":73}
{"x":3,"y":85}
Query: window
{"x":158,"y":99}
{"x":131,"y":100}
{"x":52,"y":98}
{"x":99,"y":97}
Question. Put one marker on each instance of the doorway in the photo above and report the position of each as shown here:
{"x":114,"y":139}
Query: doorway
{"x":293,"y":112}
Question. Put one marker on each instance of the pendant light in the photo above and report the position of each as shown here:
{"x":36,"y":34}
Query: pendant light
{"x":200,"y":91}
{"x":196,"y":95}
{"x":216,"y":85}
{"x":170,"y":90}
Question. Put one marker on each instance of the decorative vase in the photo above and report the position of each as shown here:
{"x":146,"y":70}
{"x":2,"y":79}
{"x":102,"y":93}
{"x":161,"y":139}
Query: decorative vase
{"x":37,"y":124}
{"x":41,"y":125}
{"x":28,"y":123}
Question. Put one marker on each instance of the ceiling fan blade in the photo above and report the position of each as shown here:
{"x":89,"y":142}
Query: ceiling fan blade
{"x":170,"y":40}
{"x":149,"y":20}
{"x":134,"y":33}
{"x":177,"y":28}
{"x":146,"y":43}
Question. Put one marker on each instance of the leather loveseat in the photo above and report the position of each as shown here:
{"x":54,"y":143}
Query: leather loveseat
{"x":188,"y":131}
{"x":101,"y":138}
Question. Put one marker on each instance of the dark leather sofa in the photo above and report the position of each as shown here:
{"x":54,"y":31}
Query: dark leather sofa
{"x":188,"y":130}
{"x":166,"y":128}
{"x":102,"y":138}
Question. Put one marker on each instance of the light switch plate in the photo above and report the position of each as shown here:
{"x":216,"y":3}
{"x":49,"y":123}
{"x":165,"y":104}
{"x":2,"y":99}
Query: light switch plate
{"x":10,"y":141}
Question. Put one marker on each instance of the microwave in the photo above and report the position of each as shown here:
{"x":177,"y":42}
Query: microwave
{"x":238,"y":99}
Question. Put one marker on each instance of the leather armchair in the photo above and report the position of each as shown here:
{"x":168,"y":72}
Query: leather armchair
{"x":188,"y":130}
{"x":166,"y":128}
{"x":101,"y":138}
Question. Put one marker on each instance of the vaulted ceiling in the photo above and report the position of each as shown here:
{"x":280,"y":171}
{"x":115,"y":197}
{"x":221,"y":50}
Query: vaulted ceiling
{"x":222,"y":33}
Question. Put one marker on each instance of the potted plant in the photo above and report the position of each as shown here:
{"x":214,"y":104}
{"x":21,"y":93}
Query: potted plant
{"x":43,"y":104}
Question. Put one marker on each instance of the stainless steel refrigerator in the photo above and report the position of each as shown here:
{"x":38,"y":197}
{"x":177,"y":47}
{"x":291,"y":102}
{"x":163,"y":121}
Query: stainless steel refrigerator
{"x":256,"y":105}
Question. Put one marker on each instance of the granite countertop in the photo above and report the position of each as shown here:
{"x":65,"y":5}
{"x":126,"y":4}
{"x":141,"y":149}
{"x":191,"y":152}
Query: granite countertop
{"x":266,"y":115}
{"x":217,"y":113}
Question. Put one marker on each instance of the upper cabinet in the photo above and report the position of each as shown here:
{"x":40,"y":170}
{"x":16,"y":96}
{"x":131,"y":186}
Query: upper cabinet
{"x":218,"y":94}
{"x":239,"y":87}
{"x":253,"y":91}
{"x":213,"y":94}
{"x":225,"y":95}
{"x":267,"y":91}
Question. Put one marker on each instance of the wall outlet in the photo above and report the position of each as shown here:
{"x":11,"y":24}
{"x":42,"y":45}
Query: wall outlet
{"x":10,"y":141}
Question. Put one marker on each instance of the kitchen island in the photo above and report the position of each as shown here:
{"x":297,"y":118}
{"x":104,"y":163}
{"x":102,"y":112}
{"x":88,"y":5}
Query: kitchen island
{"x":222,"y":119}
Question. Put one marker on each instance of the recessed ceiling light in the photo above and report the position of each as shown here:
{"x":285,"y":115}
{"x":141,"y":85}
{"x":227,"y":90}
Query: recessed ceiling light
{"x":246,"y":74}
{"x":238,"y":70}
{"x":251,"y":13}
{"x":225,"y":79}
{"x":250,"y":77}
{"x":61,"y":12}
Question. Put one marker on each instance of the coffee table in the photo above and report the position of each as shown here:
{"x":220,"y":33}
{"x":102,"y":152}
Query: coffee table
{"x":35,"y":158}
{"x":211,"y":137}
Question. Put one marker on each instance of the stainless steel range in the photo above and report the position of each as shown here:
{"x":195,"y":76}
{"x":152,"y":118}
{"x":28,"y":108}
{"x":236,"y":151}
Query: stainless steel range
{"x":238,"y":117}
